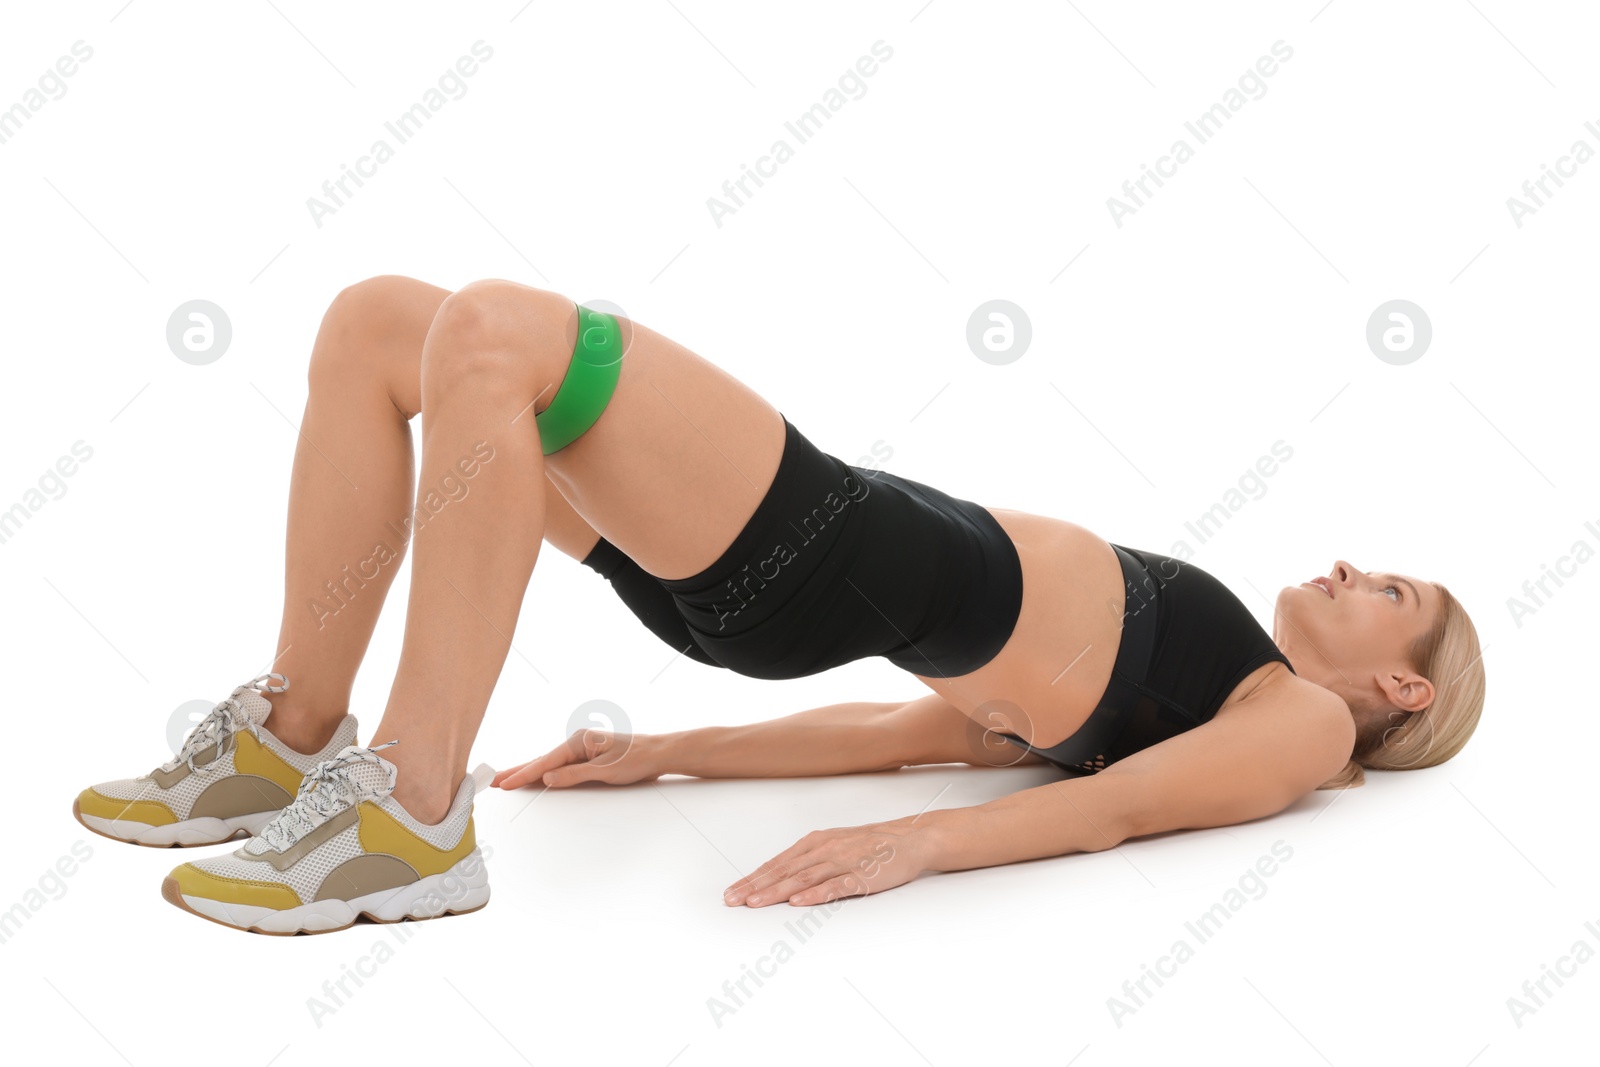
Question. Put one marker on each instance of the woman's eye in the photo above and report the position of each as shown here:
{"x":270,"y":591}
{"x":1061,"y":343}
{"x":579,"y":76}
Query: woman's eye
{"x":1395,"y":591}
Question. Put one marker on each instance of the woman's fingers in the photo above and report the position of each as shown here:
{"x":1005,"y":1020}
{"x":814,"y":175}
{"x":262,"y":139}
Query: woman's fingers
{"x":842,"y":885}
{"x":796,"y":857}
{"x":530,"y":773}
{"x":830,"y":864}
{"x":534,"y":770}
{"x":586,"y":756}
{"x":802,"y":878}
{"x":574,"y":773}
{"x":826,"y":881}
{"x":506,"y":773}
{"x":517,"y":777}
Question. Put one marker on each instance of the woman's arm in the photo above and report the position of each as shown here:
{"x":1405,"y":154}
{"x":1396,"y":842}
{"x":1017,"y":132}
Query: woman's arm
{"x":1255,"y":760}
{"x":838,"y":739}
{"x":846,"y":738}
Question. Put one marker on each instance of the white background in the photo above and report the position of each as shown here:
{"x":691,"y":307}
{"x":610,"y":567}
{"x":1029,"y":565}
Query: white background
{"x":1226,"y":314}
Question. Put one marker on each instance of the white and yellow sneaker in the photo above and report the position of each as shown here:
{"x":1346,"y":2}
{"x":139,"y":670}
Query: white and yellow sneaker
{"x":342,"y":850}
{"x":231,"y":776}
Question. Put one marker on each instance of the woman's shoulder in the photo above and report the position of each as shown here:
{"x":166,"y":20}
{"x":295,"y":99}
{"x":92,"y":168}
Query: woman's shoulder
{"x":1273,"y":686}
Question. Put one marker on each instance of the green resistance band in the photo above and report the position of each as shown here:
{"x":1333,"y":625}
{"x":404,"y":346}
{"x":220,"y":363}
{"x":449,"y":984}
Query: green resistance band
{"x":590,"y":381}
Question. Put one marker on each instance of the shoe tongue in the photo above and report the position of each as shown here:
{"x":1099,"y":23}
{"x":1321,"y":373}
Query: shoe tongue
{"x":372,"y":772}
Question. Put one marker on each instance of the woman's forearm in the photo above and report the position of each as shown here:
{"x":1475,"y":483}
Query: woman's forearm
{"x":1075,"y":815}
{"x":837,"y":739}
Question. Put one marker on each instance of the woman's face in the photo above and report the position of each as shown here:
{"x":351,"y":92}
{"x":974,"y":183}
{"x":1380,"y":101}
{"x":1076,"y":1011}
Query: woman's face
{"x":1350,"y":631}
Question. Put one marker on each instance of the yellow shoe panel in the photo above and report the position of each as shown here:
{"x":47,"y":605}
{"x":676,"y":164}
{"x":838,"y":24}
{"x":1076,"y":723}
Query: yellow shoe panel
{"x":152,"y":812}
{"x":252,"y":757}
{"x":381,"y":832}
{"x":193,"y":882}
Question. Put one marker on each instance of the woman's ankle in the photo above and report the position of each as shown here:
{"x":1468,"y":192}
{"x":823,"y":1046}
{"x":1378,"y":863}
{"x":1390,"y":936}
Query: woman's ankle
{"x":428,"y":803}
{"x":297,"y":726}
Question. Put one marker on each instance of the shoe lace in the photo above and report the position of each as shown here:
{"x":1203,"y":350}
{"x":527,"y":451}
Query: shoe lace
{"x":324,"y":793}
{"x":220,"y":724}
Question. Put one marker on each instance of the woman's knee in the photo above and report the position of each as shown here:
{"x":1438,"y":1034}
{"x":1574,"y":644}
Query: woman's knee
{"x":375,"y":329}
{"x":500,"y":331}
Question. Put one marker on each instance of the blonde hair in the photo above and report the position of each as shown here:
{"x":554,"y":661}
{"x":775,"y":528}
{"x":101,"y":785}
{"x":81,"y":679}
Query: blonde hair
{"x":1449,"y":652}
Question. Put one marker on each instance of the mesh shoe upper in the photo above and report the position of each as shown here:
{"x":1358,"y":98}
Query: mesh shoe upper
{"x":343,"y":836}
{"x":230,"y":764}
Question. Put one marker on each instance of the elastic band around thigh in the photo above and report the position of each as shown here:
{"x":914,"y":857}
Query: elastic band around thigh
{"x":590,"y":381}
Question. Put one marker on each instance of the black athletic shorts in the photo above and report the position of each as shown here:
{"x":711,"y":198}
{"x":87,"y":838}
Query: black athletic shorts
{"x":839,"y":563}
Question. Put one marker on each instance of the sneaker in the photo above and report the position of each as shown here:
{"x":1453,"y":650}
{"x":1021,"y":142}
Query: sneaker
{"x":231,"y":776}
{"x":343,"y":850}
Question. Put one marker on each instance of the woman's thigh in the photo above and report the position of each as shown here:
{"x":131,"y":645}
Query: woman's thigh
{"x":678,"y":461}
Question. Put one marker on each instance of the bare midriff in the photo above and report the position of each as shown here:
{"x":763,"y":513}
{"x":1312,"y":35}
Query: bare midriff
{"x":1053,"y":670}
{"x":1050,"y":675}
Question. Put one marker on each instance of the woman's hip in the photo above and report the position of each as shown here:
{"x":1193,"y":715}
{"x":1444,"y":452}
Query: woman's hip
{"x":839,"y":563}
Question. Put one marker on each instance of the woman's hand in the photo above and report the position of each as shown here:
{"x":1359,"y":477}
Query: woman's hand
{"x":827,"y":864}
{"x":589,"y":756}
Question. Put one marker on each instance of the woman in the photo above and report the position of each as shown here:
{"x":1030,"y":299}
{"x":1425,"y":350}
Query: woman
{"x":740,"y":543}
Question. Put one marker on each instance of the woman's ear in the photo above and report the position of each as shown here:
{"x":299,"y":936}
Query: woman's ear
{"x":1408,"y":691}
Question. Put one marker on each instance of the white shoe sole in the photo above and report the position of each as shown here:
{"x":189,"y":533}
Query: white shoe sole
{"x":189,"y":832}
{"x":463,"y":888}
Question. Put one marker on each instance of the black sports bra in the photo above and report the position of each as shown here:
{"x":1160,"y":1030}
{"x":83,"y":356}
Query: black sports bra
{"x":1187,"y":642}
